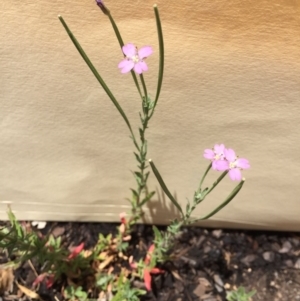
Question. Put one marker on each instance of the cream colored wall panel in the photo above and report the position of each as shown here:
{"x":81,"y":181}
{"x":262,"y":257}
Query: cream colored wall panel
{"x":231,"y":75}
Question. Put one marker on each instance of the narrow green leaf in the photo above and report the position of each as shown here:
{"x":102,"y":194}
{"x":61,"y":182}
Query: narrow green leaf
{"x":220,"y":178}
{"x":157,"y":234}
{"x":161,"y":54}
{"x":137,"y":157}
{"x":147,"y":198}
{"x":97,"y":75}
{"x":164,"y":187}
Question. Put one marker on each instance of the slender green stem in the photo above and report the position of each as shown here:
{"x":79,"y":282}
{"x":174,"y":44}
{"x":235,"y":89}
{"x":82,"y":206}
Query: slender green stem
{"x":216,"y":182}
{"x":226,"y":202}
{"x":144,"y":87}
{"x":121,"y":42}
{"x":203,"y":177}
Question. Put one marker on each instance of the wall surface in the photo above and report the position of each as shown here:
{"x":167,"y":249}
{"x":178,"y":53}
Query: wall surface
{"x":232,"y":75}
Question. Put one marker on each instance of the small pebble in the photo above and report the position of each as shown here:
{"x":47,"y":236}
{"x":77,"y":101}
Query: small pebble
{"x":269,"y":256}
{"x":286,"y":247}
{"x":297,"y":264}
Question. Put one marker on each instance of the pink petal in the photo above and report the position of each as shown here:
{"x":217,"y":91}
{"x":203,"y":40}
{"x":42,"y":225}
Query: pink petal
{"x":145,"y":52}
{"x":235,"y":174}
{"x":220,"y":165}
{"x":147,"y":279}
{"x":143,"y":65}
{"x":129,"y":50}
{"x":219,"y":149}
{"x":127,"y":65}
{"x":140,"y":67}
{"x":242,"y":163}
{"x":209,"y":154}
{"x":123,"y":63}
{"x":230,"y":154}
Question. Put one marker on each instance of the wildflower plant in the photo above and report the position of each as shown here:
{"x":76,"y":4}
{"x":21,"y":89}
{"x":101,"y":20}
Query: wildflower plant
{"x":99,"y":262}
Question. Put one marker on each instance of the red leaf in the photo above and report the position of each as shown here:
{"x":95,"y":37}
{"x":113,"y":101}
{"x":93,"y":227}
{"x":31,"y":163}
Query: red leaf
{"x":76,"y":251}
{"x":39,"y":279}
{"x":149,"y":254}
{"x":147,"y":279}
{"x":50,"y":281}
{"x":156,"y":271}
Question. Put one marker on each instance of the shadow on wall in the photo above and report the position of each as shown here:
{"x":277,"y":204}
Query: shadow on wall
{"x":162,"y":210}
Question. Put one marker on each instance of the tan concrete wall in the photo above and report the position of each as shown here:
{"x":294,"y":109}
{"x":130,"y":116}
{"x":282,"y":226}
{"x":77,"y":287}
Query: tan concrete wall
{"x":232,"y":75}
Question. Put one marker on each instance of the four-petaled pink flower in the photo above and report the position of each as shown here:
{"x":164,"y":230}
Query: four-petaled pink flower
{"x":134,"y":59}
{"x":234,"y":164}
{"x":225,"y":159}
{"x":215,"y":155}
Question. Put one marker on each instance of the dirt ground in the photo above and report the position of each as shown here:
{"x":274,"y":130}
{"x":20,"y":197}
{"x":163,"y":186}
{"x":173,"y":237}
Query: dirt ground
{"x":208,"y":262}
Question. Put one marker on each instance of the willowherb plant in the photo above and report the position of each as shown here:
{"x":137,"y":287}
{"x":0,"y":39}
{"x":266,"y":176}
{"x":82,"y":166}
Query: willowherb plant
{"x":98,"y":263}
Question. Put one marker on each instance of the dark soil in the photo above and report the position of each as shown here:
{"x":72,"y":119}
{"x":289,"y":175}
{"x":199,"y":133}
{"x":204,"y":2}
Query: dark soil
{"x":208,"y":262}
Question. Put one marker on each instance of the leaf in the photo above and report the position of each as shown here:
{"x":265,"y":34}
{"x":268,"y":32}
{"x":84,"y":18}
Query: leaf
{"x":97,"y":75}
{"x":6,"y":279}
{"x":137,"y":157}
{"x":164,"y":187}
{"x":106,"y":262}
{"x":231,"y":196}
{"x":147,"y":198}
{"x":157,"y":234}
{"x":29,"y":293}
{"x":161,"y":54}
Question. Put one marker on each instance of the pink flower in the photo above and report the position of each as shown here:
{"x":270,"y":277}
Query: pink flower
{"x":234,"y":165}
{"x":134,"y":58}
{"x":215,"y":155}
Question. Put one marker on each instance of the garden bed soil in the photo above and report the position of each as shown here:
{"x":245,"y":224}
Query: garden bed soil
{"x":207,"y":263}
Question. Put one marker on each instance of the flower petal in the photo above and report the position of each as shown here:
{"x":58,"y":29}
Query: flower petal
{"x":220,"y":165}
{"x":127,"y":65}
{"x":235,"y":174}
{"x":242,"y":163}
{"x":209,"y":154}
{"x":143,"y":65}
{"x":230,"y":154}
{"x":219,"y":149}
{"x":138,"y":68}
{"x":145,"y":52}
{"x":129,"y":50}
